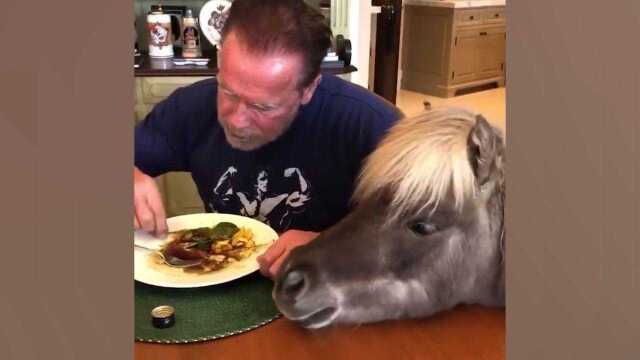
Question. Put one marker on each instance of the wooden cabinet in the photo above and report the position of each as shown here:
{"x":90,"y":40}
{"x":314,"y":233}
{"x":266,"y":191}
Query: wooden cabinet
{"x":178,"y":190}
{"x":491,"y":52}
{"x":446,"y":49}
{"x":478,"y":54}
{"x":465,"y":60}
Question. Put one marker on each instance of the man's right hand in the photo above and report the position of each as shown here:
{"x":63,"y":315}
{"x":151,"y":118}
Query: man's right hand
{"x":149,"y":213}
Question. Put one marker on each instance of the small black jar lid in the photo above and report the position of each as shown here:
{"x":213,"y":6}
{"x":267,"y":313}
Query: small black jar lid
{"x":163,"y":316}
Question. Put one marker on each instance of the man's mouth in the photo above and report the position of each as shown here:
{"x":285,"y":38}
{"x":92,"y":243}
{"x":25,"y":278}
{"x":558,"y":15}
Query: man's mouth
{"x":239,"y":138}
{"x":241,"y":142}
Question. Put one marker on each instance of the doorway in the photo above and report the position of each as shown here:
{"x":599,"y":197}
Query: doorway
{"x":387,"y":48}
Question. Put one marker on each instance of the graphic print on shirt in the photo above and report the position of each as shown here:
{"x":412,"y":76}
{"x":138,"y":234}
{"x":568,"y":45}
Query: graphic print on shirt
{"x":272,"y":200}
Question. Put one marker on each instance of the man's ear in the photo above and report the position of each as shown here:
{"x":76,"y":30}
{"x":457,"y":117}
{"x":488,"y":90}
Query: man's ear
{"x":307,"y":92}
{"x":482,"y":148}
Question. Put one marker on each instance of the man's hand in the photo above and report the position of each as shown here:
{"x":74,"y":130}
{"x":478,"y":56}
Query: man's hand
{"x":272,"y":259}
{"x":149,"y":213}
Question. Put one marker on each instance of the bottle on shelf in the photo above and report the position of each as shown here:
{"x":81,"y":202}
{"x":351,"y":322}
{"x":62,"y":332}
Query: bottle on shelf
{"x":190,"y":36}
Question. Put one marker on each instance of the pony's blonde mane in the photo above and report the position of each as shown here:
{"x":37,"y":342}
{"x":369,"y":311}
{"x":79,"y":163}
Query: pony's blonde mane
{"x":421,"y":161}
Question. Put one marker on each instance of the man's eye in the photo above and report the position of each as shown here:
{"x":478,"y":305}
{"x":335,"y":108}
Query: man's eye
{"x":226,"y":92}
{"x":261,"y":108}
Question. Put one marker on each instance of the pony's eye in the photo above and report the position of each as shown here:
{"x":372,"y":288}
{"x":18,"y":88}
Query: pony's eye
{"x":422,"y":228}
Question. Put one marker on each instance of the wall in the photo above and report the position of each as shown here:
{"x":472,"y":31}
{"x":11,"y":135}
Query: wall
{"x":349,"y":18}
{"x":360,"y":35}
{"x":142,"y":7}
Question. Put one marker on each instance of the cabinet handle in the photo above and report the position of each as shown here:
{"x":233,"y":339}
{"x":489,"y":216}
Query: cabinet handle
{"x":496,"y":15}
{"x":483,"y":33}
{"x":471,"y":17}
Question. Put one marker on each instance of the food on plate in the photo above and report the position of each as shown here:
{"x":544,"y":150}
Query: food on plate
{"x":217,"y":246}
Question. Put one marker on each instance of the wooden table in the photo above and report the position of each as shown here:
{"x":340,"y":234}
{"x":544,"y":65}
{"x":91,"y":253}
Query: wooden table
{"x":467,"y":332}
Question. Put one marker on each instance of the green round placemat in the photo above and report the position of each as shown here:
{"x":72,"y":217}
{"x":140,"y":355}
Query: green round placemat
{"x":205,"y":313}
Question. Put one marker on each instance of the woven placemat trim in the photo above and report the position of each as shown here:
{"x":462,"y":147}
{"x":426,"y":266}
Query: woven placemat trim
{"x":207,"y":338}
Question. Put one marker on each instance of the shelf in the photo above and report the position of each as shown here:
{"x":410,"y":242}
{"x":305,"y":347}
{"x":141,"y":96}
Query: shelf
{"x":165,"y":67}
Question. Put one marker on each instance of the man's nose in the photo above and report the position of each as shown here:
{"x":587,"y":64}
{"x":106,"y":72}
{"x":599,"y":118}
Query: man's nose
{"x":240,"y":117}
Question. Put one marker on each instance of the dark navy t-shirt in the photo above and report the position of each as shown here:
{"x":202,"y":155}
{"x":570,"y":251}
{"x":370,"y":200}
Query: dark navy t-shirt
{"x":303,"y":180}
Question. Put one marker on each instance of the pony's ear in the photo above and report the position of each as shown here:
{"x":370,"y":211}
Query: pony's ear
{"x":482,"y":147}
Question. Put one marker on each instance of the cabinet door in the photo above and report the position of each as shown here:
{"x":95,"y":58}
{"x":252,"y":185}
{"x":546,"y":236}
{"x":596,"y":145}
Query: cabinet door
{"x":465,"y":56}
{"x":181,"y":195}
{"x":491,"y":53}
{"x":428,"y":35}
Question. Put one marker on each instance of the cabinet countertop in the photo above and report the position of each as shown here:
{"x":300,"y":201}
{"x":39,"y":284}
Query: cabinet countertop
{"x":458,"y":4}
{"x":166,"y":67}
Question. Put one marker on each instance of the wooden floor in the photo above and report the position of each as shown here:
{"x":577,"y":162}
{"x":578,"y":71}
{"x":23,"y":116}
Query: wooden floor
{"x":490,"y":103}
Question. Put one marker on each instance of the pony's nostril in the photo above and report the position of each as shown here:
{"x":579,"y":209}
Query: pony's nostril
{"x":294,"y":283}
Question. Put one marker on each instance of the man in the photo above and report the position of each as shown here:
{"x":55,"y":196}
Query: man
{"x":281,"y":143}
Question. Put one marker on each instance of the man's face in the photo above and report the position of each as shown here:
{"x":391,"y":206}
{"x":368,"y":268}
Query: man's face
{"x":258,"y":96}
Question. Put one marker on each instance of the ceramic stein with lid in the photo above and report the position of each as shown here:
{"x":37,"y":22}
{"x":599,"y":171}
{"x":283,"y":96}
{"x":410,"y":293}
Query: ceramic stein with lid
{"x":159,"y":26}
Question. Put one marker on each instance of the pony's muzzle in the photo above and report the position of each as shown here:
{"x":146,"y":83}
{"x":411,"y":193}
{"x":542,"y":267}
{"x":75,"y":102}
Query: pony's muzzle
{"x":298,"y":302}
{"x":301,"y":294}
{"x":293,"y":284}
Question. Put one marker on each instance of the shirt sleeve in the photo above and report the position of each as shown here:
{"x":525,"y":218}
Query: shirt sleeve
{"x":360,"y":129}
{"x":365,"y":118}
{"x":159,"y":139}
{"x":368,"y":126}
{"x":372,"y":128}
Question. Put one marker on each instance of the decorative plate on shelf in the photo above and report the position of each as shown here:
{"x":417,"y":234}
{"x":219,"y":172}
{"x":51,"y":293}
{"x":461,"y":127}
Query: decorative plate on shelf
{"x":212,"y":17}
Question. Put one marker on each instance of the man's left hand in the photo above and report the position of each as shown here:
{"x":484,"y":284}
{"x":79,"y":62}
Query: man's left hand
{"x":273,"y":258}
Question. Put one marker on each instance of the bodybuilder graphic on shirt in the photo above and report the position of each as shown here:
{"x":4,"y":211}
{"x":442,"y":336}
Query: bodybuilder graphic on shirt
{"x":273,"y":208}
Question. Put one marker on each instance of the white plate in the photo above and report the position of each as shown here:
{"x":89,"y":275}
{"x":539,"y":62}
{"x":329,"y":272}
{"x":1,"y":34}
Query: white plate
{"x":212,"y":17}
{"x":146,"y":270}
